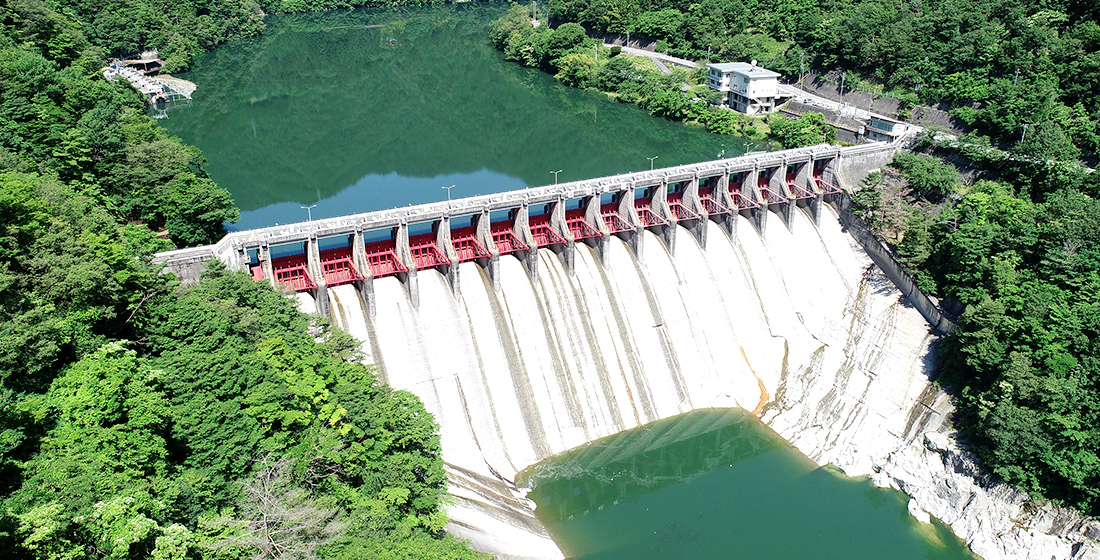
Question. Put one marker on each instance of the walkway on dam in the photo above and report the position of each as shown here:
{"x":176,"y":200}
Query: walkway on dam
{"x":357,"y":249}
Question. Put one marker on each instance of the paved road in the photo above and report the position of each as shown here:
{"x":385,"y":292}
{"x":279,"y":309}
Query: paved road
{"x":657,"y":57}
{"x":841,"y":108}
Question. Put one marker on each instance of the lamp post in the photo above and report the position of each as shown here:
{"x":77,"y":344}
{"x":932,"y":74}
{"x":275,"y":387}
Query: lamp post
{"x":309,"y":211}
{"x":556,"y":176}
{"x":651,"y":161}
{"x":448,"y":191}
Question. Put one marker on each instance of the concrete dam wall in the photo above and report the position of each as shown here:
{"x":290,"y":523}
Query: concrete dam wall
{"x":800,"y":328}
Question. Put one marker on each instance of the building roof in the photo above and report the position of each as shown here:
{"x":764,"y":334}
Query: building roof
{"x":744,"y":68}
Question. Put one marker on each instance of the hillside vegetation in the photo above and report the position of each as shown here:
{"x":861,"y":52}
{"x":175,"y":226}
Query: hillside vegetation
{"x":140,"y":419}
{"x":1002,"y":64}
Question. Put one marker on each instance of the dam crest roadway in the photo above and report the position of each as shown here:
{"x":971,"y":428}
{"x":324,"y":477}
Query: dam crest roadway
{"x":554,"y":217}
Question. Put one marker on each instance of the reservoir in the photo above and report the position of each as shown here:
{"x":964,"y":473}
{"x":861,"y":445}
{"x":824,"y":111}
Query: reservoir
{"x":372,"y":109}
{"x":718,"y":484}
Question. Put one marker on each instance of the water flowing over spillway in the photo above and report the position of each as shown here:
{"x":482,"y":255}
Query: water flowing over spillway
{"x":797,"y":326}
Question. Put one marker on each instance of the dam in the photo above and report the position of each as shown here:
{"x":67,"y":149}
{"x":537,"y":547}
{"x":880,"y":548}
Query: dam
{"x":531,"y":322}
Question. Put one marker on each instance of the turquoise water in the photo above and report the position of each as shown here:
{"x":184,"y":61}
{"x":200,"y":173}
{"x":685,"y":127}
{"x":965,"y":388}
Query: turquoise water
{"x":371,"y":109}
{"x":719,"y":484}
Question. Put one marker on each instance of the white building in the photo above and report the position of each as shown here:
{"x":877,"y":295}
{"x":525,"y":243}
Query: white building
{"x":885,"y":129}
{"x":747,"y":88}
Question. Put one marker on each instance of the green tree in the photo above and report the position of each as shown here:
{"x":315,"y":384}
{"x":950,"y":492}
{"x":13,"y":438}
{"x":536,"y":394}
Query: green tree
{"x":927,"y":176}
{"x":807,"y":130}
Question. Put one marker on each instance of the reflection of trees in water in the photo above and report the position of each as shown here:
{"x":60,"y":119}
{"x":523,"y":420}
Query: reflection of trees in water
{"x":333,"y":101}
{"x":626,"y":465}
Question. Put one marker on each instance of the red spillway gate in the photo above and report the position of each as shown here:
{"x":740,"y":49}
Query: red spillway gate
{"x":646,"y":215}
{"x":826,"y":186}
{"x":293,"y":271}
{"x":676,"y":204}
{"x":614,"y":221}
{"x":425,"y":251}
{"x":504,"y":237}
{"x":770,"y":196}
{"x":741,"y":201}
{"x":466,"y":244}
{"x":797,"y":190}
{"x":706,"y":196}
{"x":382,"y":259}
{"x":542,"y":232}
{"x":578,"y":226}
{"x":337,"y":266}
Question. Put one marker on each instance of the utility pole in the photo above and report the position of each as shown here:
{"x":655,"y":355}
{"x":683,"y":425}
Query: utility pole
{"x":1024,"y":133}
{"x":801,"y":69}
{"x":842,"y":76}
{"x":1016,"y":78}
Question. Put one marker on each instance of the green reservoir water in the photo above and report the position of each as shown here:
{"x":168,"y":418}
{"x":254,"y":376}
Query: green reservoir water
{"x":719,"y":484}
{"x":372,"y":109}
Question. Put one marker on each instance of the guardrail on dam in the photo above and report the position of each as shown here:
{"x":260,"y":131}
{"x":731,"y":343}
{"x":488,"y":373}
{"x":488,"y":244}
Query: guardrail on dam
{"x":358,"y":248}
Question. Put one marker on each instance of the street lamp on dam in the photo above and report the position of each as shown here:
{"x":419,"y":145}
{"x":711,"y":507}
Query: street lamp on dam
{"x":651,"y":161}
{"x":309,"y":211}
{"x":556,"y":176}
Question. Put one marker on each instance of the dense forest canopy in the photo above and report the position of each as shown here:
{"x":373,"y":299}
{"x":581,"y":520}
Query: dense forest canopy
{"x":1001,"y":63}
{"x":141,"y":419}
{"x":1018,"y":253}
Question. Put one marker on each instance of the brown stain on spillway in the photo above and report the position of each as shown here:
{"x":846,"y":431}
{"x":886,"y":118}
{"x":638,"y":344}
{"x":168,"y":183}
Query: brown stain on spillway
{"x":764,"y":396}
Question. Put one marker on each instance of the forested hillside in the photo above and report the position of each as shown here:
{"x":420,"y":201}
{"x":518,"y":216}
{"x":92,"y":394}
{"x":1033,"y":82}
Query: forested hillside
{"x":1001,"y":63}
{"x":1019,"y":252}
{"x":139,"y":419}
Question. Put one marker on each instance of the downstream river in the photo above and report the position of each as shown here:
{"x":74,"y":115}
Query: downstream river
{"x":365,"y":110}
{"x":372,"y":109}
{"x":719,"y":484}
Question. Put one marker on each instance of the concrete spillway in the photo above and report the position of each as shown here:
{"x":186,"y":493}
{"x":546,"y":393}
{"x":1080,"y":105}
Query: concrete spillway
{"x":799,"y":327}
